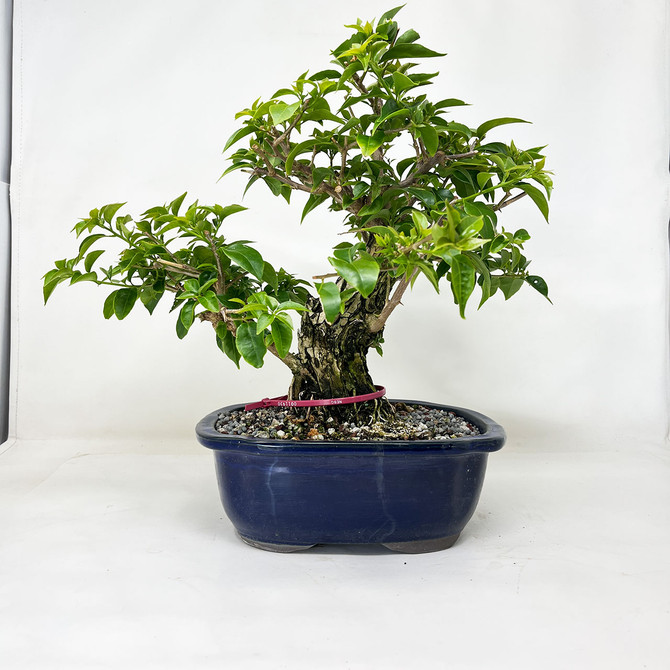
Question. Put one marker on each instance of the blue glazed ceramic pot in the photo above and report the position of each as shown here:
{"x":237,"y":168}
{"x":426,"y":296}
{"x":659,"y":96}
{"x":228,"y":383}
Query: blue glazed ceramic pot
{"x":411,"y":496}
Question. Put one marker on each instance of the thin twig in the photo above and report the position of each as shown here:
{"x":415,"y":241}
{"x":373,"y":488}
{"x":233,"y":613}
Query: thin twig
{"x":359,"y":84}
{"x":343,"y":164}
{"x":221,"y":283}
{"x":183,"y":269}
{"x":266,"y":159}
{"x":508,"y":201}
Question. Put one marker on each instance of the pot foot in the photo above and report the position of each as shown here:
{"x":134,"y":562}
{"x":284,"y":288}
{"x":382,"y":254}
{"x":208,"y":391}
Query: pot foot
{"x":277,"y":548}
{"x":422,"y":546}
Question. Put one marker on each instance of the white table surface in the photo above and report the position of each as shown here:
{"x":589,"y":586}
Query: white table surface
{"x":118,"y":555}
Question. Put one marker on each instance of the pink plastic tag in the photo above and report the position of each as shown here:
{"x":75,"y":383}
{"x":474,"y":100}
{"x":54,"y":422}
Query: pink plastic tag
{"x":283,"y":401}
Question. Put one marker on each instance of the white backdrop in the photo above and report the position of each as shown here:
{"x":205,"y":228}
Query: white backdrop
{"x":133,"y":100}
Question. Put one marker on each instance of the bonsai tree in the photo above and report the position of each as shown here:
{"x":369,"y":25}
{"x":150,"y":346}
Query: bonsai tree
{"x":420,"y":196}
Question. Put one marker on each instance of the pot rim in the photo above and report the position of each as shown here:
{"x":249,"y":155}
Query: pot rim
{"x":491,"y":438}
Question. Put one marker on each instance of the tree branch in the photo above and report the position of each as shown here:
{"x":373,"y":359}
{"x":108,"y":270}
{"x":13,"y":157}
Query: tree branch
{"x":507,"y":200}
{"x":375,"y":103}
{"x":395,"y":300}
{"x":262,"y":172}
{"x":221,"y":283}
{"x":428,"y":164}
{"x":359,"y":84}
{"x":290,"y":360}
{"x":266,"y":159}
{"x":301,"y":186}
{"x":215,"y":318}
{"x":183,"y":269}
{"x":294,"y":123}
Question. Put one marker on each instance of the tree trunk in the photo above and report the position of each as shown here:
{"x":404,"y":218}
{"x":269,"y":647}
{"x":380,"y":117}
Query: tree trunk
{"x":333,"y":357}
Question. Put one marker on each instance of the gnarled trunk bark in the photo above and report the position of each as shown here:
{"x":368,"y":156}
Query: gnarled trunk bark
{"x":332,"y":358}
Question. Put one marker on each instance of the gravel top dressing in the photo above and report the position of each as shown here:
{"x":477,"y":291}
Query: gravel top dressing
{"x":411,"y":422}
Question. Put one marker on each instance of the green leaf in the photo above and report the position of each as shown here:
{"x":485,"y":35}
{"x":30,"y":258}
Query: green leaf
{"x":225,"y":340}
{"x":429,"y":271}
{"x":462,"y":281}
{"x":282,"y":335}
{"x":483,"y":178}
{"x":387,"y":16}
{"x":209,"y":301}
{"x":354,"y":66}
{"x":273,"y":184}
{"x":88,"y":241}
{"x":150,"y":297}
{"x":246,"y":257}
{"x":470,"y":225}
{"x":546,"y":182}
{"x":270,"y":276}
{"x":449,"y":102}
{"x":286,"y":91}
{"x":480,"y":266}
{"x":181,"y":329}
{"x":537,"y":197}
{"x":408,"y":37}
{"x":282,"y":112}
{"x":430,"y":139}
{"x":187,"y":315}
{"x":325,"y":74}
{"x":250,"y":345}
{"x":498,"y":244}
{"x":362,"y":273}
{"x":321,"y":114}
{"x":420,"y":220}
{"x":238,"y":135}
{"x":91,"y":258}
{"x":426,"y":196}
{"x":192,"y":286}
{"x":176,"y":204}
{"x":539,"y":285}
{"x":263,"y":322}
{"x":314,"y":200}
{"x":224,"y":212}
{"x":370,"y":143}
{"x":404,"y":164}
{"x":409,"y":51}
{"x":292,"y":305}
{"x":319,"y":175}
{"x":49,"y":287}
{"x":108,"y":211}
{"x":124,"y":300}
{"x":262,"y":298}
{"x":330,"y":297}
{"x":389,"y":116}
{"x":108,"y":307}
{"x":402,"y":82}
{"x":78,"y":277}
{"x":296,"y":151}
{"x":510,"y":285}
{"x":460,"y":128}
{"x":372,"y":209}
{"x":494,"y":123}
